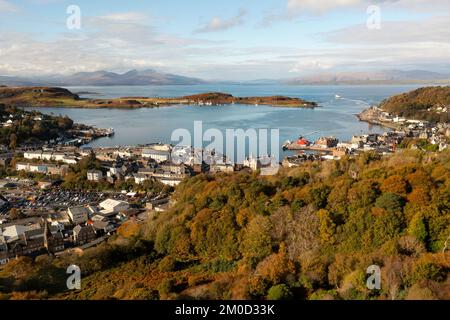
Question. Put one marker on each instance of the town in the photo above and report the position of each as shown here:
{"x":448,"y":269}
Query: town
{"x":421,"y":134}
{"x":57,"y":196}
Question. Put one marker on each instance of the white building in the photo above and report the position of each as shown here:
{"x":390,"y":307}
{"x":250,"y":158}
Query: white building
{"x":252,"y":163}
{"x":78,"y":214}
{"x":140,"y":178}
{"x":47,"y":155}
{"x":94,"y":175}
{"x":32,"y":154}
{"x":157,"y":155}
{"x":70,"y":160}
{"x":111,"y":206}
{"x":58,"y":156}
{"x":171,"y":182}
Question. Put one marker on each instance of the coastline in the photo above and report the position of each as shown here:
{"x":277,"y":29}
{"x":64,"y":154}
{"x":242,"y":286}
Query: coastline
{"x":368,"y":117}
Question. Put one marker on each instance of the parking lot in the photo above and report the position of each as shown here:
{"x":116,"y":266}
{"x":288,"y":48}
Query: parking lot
{"x":34,"y":200}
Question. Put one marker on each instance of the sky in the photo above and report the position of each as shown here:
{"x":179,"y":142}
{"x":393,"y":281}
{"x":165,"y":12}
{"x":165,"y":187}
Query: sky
{"x":224,"y":40}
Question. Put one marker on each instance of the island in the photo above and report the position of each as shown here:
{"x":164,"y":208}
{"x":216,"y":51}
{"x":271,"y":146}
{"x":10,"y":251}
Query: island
{"x":60,"y":97}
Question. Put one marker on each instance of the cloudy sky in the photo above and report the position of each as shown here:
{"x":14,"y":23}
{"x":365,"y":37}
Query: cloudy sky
{"x":234,"y":40}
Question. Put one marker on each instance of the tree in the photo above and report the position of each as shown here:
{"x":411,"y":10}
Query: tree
{"x":12,"y":141}
{"x":395,"y":184}
{"x":327,"y":227}
{"x":390,"y":202}
{"x":279,"y":292}
{"x":257,"y":242}
{"x":418,"y":228}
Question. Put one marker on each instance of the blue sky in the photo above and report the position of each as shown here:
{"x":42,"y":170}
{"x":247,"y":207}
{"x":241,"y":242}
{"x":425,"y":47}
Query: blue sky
{"x":233,"y":40}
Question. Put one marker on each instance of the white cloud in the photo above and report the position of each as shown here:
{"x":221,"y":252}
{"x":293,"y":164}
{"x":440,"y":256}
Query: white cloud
{"x":6,"y":6}
{"x":311,"y":65}
{"x":128,"y":17}
{"x":220,"y":24}
{"x":432,"y":30}
{"x":302,"y":6}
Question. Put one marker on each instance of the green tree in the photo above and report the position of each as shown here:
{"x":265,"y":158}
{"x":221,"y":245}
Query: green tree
{"x":257,"y":242}
{"x":418,"y":228}
{"x":279,"y":292}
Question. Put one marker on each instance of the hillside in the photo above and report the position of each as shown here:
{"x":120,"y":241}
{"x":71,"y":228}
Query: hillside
{"x":428,"y":103}
{"x":307,"y":233}
{"x":30,"y":127}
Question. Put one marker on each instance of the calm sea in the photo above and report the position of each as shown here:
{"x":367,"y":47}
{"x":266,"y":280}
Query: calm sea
{"x":335,"y":117}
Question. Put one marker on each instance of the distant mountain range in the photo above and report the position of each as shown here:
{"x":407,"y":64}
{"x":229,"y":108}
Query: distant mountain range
{"x":152,"y":77}
{"x":104,"y":78}
{"x":383,"y":76}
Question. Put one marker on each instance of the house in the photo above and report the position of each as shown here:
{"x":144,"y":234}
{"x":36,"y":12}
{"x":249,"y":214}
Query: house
{"x":78,"y":214}
{"x":83,"y":234}
{"x":33,"y":154}
{"x":22,"y":167}
{"x":340,"y":151}
{"x":58,"y":156}
{"x":70,"y":160}
{"x":60,"y":218}
{"x":53,"y":242}
{"x":359,"y":140}
{"x":94,"y":175}
{"x":112,"y":206}
{"x":103,"y":227}
{"x":221,"y":167}
{"x":157,"y":155}
{"x":47,"y":155}
{"x":30,"y":239}
{"x":98,"y":218}
{"x":171,"y":182}
{"x":57,"y":170}
{"x":173,"y":168}
{"x":252,"y":163}
{"x":38,"y":168}
{"x":43,"y":168}
{"x":140,"y":178}
{"x":327,"y":142}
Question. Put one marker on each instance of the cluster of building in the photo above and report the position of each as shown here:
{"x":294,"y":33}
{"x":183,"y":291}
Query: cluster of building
{"x":30,"y":239}
{"x":77,"y":136}
{"x":78,"y":226}
{"x":160,"y":162}
{"x":43,"y":168}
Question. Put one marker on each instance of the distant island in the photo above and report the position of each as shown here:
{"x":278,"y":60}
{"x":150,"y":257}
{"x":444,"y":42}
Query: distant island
{"x":60,"y":97}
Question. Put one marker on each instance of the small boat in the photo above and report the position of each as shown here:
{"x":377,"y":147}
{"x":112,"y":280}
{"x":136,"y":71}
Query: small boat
{"x":337,"y":96}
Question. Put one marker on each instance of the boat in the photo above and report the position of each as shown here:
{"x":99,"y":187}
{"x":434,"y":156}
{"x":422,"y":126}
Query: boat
{"x":110,"y":132}
{"x":337,"y":96}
